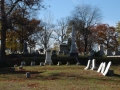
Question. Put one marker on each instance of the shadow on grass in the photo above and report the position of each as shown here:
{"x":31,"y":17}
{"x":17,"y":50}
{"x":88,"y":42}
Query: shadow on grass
{"x":12,"y":71}
{"x":116,"y":75}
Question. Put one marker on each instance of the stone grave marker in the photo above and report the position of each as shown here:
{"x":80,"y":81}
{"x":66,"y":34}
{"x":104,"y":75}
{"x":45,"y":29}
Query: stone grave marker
{"x":100,"y":67}
{"x":88,"y":65}
{"x":107,"y":69}
{"x":110,"y":73}
{"x":109,"y":52}
{"x":59,"y":63}
{"x":78,"y":63}
{"x":101,"y":50}
{"x":41,"y":63}
{"x":103,"y":67}
{"x":48,"y":56}
{"x":54,"y":53}
{"x":32,"y":63}
{"x":20,"y":67}
{"x":93,"y":64}
{"x":64,"y":49}
{"x":23,"y":63}
{"x":92,"y":53}
{"x":28,"y":74}
{"x":25,"y":51}
{"x":68,"y":63}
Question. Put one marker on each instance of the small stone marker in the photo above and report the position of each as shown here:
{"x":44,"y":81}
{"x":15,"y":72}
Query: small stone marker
{"x":20,"y":67}
{"x":27,"y":74}
{"x":59,"y":63}
{"x":23,"y":63}
{"x":107,"y":68}
{"x":15,"y":65}
{"x":110,"y":73}
{"x":88,"y":65}
{"x":68,"y":63}
{"x":32,"y":63}
{"x":100,"y":67}
{"x":77,"y":63}
{"x":42,"y":64}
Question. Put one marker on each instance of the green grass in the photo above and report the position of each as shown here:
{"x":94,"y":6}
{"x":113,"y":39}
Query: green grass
{"x":55,"y":77}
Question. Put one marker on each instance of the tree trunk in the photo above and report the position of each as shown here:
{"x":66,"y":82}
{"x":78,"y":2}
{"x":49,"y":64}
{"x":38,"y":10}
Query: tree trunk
{"x":3,"y":32}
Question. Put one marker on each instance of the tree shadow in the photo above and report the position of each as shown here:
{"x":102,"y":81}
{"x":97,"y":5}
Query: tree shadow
{"x":13,"y":71}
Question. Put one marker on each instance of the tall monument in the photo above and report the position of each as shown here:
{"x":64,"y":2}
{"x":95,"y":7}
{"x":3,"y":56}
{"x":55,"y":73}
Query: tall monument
{"x":73,"y":50}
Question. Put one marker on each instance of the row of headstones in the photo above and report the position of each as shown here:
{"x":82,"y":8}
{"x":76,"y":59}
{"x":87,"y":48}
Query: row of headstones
{"x":103,"y":69}
{"x":23,"y":63}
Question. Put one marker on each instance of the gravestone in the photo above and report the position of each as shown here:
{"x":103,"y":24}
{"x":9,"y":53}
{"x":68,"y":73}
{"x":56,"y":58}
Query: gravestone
{"x":88,"y":65}
{"x":68,"y":63}
{"x":63,"y":49}
{"x":15,"y":65}
{"x":54,"y":53}
{"x":20,"y":67}
{"x":109,"y":52}
{"x":28,"y":74}
{"x":32,"y":63}
{"x":41,"y":63}
{"x":59,"y":63}
{"x":25,"y":51}
{"x":101,"y":50}
{"x":117,"y":52}
{"x":78,"y":63}
{"x":110,"y":73}
{"x":93,"y":64}
{"x":48,"y":56}
{"x":100,"y":67}
{"x":23,"y":63}
{"x":103,"y":67}
{"x":92,"y":53}
{"x":107,"y":68}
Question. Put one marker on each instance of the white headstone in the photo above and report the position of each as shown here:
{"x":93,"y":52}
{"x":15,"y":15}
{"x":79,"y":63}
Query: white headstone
{"x":100,"y":67}
{"x":48,"y":56}
{"x":93,"y":65}
{"x":103,"y":67}
{"x":59,"y":63}
{"x":32,"y":63}
{"x":78,"y":63}
{"x":88,"y":65}
{"x":41,"y":63}
{"x":68,"y":63}
{"x":107,"y":68}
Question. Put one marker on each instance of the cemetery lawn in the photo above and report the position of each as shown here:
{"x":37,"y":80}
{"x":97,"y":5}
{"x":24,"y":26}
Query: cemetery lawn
{"x":72,"y":77}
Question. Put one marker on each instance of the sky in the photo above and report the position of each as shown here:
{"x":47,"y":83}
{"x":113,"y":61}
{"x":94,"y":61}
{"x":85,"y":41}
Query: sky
{"x":110,"y":9}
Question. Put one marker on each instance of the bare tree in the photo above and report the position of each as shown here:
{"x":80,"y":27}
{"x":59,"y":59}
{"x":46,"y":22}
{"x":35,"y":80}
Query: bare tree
{"x":44,"y":38}
{"x":60,"y":30}
{"x":89,"y":16}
